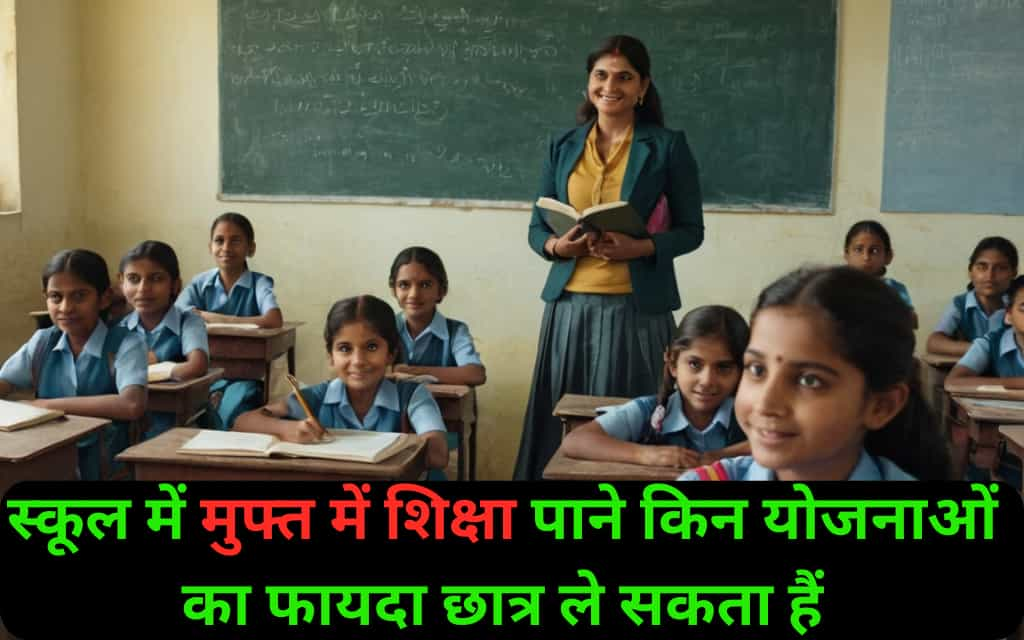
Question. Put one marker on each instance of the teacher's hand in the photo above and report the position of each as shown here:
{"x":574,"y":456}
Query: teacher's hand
{"x":619,"y":246}
{"x":573,"y":244}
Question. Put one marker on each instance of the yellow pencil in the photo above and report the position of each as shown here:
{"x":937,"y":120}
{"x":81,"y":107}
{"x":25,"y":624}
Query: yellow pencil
{"x":324,"y":437}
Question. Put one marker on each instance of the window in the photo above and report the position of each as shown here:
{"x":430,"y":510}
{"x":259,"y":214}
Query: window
{"x":10,"y":175}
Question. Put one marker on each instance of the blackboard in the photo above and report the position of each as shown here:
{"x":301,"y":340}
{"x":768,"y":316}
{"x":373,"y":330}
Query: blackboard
{"x":456,"y":101}
{"x":954,"y":131}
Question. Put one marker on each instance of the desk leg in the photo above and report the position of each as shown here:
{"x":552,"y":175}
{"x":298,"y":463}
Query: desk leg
{"x":266,"y":381}
{"x":472,"y":451}
{"x":460,"y":450}
{"x":291,"y":360}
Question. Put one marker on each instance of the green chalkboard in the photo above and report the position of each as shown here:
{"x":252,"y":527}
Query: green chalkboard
{"x":455,"y":101}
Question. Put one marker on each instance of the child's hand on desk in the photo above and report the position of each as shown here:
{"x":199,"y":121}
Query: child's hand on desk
{"x":670,"y":456}
{"x":303,"y":432}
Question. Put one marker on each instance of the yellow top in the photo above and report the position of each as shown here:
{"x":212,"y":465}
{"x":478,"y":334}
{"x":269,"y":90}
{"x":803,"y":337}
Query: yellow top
{"x":595,"y":181}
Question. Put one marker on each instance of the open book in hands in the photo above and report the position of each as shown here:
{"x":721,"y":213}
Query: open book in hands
{"x":21,"y":415}
{"x":345,"y":444}
{"x":619,"y":217}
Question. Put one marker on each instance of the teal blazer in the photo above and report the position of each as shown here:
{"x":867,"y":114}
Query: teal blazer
{"x":659,"y":162}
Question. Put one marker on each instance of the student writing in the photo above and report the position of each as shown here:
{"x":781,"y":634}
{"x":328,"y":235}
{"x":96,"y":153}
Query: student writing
{"x":361,"y":341}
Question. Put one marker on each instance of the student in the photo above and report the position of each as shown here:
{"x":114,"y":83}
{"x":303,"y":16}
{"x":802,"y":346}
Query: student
{"x":362,"y":342}
{"x":830,"y":388}
{"x":151,"y":280}
{"x":80,"y":365}
{"x":869,"y":249}
{"x":980,"y":309}
{"x":232,"y":293}
{"x":433,"y":344}
{"x":998,"y":358}
{"x":691,"y":421}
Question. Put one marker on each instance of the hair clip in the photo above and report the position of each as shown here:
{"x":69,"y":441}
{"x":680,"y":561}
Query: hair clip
{"x":657,"y":418}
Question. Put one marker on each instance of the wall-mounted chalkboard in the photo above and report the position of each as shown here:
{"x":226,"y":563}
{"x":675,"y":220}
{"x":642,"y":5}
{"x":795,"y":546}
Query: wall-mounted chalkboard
{"x":454,"y":100}
{"x":954,"y":132}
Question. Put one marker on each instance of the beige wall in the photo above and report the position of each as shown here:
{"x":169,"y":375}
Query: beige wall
{"x":149,"y":143}
{"x":48,"y":114}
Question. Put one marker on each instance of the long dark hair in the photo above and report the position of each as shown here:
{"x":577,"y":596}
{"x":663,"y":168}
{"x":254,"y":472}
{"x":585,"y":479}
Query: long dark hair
{"x":369,"y":309}
{"x":634,"y":51}
{"x":995,"y":243}
{"x":872,"y":330}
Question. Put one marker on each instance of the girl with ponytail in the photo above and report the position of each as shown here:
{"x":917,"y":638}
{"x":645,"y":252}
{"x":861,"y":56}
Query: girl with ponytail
{"x":690,"y":421}
{"x":830,"y":387}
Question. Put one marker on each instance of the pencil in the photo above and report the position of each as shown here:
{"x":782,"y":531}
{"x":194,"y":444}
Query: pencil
{"x":324,"y":437}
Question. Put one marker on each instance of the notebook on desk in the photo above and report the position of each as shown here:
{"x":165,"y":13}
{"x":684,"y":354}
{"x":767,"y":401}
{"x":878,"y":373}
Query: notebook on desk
{"x":21,"y":415}
{"x":159,"y":372}
{"x":347,"y":445}
{"x":232,"y":325}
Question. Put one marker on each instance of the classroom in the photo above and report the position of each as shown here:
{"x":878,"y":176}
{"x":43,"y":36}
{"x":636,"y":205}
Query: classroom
{"x":118,"y":136}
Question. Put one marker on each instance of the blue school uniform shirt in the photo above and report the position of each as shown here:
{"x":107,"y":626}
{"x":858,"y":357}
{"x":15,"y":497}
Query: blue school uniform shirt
{"x":252,"y":295}
{"x":178,"y":334}
{"x":974,"y":323}
{"x":900,"y":289}
{"x":329,"y":401}
{"x":436,"y":346}
{"x":631,"y":422}
{"x":995,"y":354}
{"x":869,"y":468}
{"x":63,"y":376}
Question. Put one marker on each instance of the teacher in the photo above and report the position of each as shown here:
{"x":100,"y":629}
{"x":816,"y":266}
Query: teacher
{"x":610,"y":298}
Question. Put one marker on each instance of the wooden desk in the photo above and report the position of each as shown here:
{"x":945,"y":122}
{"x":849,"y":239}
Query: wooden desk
{"x":158,"y":459}
{"x":247,"y":354}
{"x":562,"y":467}
{"x":982,"y":422}
{"x":458,"y":408}
{"x":575,"y":409}
{"x":44,"y":452}
{"x":186,"y":400}
{"x":936,"y":368}
{"x":41,"y":318}
{"x":1013,"y":435}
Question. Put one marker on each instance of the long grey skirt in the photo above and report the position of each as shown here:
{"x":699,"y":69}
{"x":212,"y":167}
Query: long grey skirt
{"x":591,"y":344}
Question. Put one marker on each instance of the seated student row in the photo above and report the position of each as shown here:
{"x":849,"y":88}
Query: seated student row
{"x":419,"y":282}
{"x":162,"y":329}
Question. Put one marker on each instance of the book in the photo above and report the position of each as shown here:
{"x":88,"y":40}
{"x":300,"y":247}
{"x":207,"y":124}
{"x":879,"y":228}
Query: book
{"x":159,"y":372}
{"x":346,"y":444}
{"x":21,"y":415}
{"x":231,"y":325}
{"x":618,"y":216}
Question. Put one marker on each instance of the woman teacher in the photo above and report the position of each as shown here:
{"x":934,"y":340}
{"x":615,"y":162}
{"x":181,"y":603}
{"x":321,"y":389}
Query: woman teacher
{"x":610,"y":297}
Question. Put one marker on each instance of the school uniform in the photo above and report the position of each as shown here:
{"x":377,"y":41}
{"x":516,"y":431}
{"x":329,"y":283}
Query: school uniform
{"x":997,"y":355}
{"x":965,"y":319}
{"x":445,"y":342}
{"x":252,"y":295}
{"x":329,"y":401}
{"x":178,"y":334}
{"x":112,"y":360}
{"x":869,"y":468}
{"x":900,"y":290}
{"x":631,"y":422}
{"x":606,"y":324}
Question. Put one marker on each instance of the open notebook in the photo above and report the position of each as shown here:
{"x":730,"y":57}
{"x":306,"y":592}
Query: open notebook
{"x":348,"y":444}
{"x":232,"y":325}
{"x":21,"y":415}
